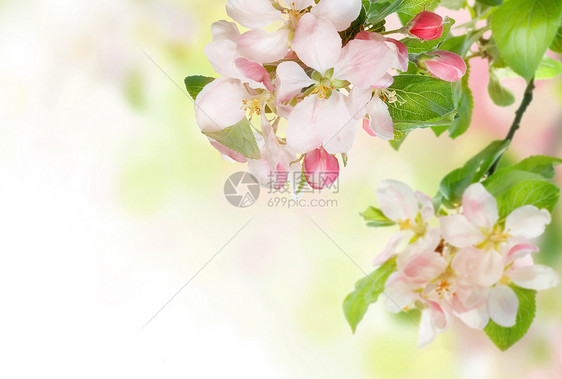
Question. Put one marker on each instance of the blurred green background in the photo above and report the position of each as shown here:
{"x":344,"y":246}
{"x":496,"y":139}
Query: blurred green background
{"x":114,"y":199}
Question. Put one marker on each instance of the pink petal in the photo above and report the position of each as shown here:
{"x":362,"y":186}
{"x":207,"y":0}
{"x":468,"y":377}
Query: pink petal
{"x":320,"y":169}
{"x":264,"y":47}
{"x":527,"y":221}
{"x":459,"y":232}
{"x":341,"y":13}
{"x":477,"y":266}
{"x":401,"y":62}
{"x":317,"y":43}
{"x":357,"y":101}
{"x":536,"y":277}
{"x":218,"y":105}
{"x":364,"y":63}
{"x":439,"y":316}
{"x":339,"y":127}
{"x":423,"y":267}
{"x":445,"y":66}
{"x":519,"y":251}
{"x":381,"y":123}
{"x":479,"y":207}
{"x":222,"y":51}
{"x":254,"y":71}
{"x":384,"y":82}
{"x":503,"y":305}
{"x":228,"y":154}
{"x":397,"y":200}
{"x":253,"y":13}
{"x":291,"y":79}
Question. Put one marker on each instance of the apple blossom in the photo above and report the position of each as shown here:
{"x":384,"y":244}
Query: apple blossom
{"x":426,"y":25}
{"x":443,"y":65}
{"x":320,"y":168}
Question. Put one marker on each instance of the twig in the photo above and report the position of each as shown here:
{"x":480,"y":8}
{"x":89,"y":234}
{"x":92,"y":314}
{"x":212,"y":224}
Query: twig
{"x":527,"y":98}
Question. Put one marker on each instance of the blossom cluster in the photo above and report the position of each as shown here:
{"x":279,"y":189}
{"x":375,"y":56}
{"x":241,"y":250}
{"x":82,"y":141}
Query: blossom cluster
{"x":462,"y":264}
{"x":292,"y":71}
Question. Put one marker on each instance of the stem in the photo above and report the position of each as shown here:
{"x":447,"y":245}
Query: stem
{"x":401,"y":30}
{"x":527,"y":98}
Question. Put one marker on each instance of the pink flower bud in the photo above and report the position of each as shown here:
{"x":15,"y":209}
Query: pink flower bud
{"x":426,"y":25}
{"x":444,"y":65}
{"x":320,"y":168}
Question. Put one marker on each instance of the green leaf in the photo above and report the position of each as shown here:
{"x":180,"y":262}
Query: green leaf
{"x":541,"y":194}
{"x":239,"y":138}
{"x":367,"y":291}
{"x":556,"y":44}
{"x":379,"y":10}
{"x":490,"y":2}
{"x":548,"y":68}
{"x":503,"y":337}
{"x":453,"y":4}
{"x":420,"y":99}
{"x":194,"y":84}
{"x":523,"y":30}
{"x":465,"y":105}
{"x":375,"y":217}
{"x":416,"y":46}
{"x":455,"y":183}
{"x":499,"y":94}
{"x":409,"y":8}
{"x":538,"y":164}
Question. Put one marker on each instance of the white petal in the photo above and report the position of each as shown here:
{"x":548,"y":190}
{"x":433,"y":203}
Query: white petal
{"x":536,"y":277}
{"x":225,"y":30}
{"x":519,"y":251}
{"x":380,"y":121}
{"x":397,"y":200}
{"x":364,"y":62}
{"x":303,"y":134}
{"x":426,"y":206}
{"x":527,"y":221}
{"x":218,"y":105}
{"x":384,"y":82}
{"x":253,"y":13}
{"x":341,"y":13}
{"x":317,"y":43}
{"x":459,"y":232}
{"x":264,"y":47}
{"x":480,"y":207}
{"x":357,"y":101}
{"x":440,"y":317}
{"x":339,"y":128}
{"x":426,"y":332}
{"x":390,"y":249}
{"x":476,"y":318}
{"x":423,"y":267}
{"x":222,"y":54}
{"x":291,"y":79}
{"x":502,"y":305}
{"x":477,"y":266}
{"x":301,"y":4}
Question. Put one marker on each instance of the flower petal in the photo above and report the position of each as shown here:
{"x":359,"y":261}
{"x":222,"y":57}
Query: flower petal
{"x":519,"y":251}
{"x":339,"y":127}
{"x":254,"y":71}
{"x":536,"y":277}
{"x":228,"y":154}
{"x":381,"y":124}
{"x":218,"y":105}
{"x":478,"y":266}
{"x":426,"y":332}
{"x":301,"y":4}
{"x":303,"y":134}
{"x":423,"y":267}
{"x":426,"y":206}
{"x":397,"y":200}
{"x":503,"y":305}
{"x":364,"y":63}
{"x":317,"y":43}
{"x":459,"y":232}
{"x":264,"y":47}
{"x":527,"y":221}
{"x":253,"y":13}
{"x":480,"y":207}
{"x":390,"y":249}
{"x":341,"y":13}
{"x":291,"y":79}
{"x":357,"y":101}
{"x":476,"y":318}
